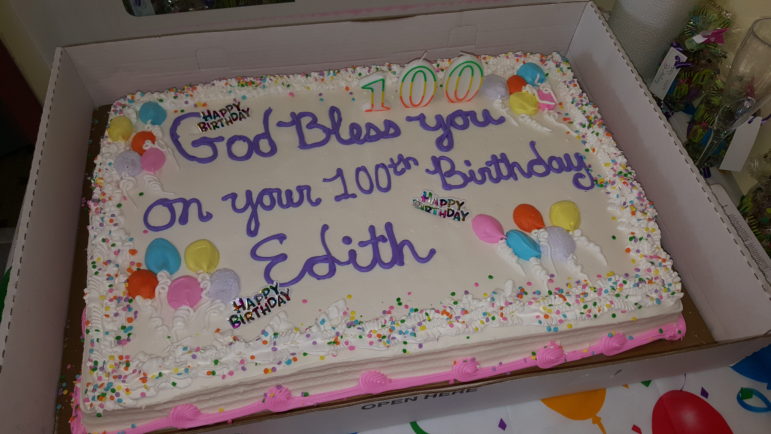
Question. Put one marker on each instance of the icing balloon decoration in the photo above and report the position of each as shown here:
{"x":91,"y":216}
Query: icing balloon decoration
{"x":162,"y":255}
{"x":546,"y":99}
{"x":142,"y":283}
{"x":120,"y":129}
{"x":565,"y":214}
{"x":224,"y":285}
{"x":487,"y":228}
{"x":515,"y":84}
{"x":184,"y":291}
{"x":561,"y":244}
{"x":523,"y":103}
{"x":532,"y":73}
{"x":202,"y":256}
{"x":528,"y":218}
{"x":139,"y":140}
{"x":128,"y":163}
{"x":494,"y":87}
{"x":522,"y":245}
{"x":152,"y":160}
{"x":681,"y":412}
{"x":579,"y":406}
{"x":152,"y":113}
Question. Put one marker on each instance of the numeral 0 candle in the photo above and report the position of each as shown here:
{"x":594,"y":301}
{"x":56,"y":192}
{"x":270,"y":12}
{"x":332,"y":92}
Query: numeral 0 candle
{"x":464,"y":79}
{"x":417,"y":84}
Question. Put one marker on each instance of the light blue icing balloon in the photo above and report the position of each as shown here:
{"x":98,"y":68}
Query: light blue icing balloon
{"x":128,"y":163}
{"x":152,"y":113}
{"x":494,"y":87}
{"x":162,"y":255}
{"x":224,"y":285}
{"x":532,"y":73}
{"x":522,"y":245}
{"x":561,"y":243}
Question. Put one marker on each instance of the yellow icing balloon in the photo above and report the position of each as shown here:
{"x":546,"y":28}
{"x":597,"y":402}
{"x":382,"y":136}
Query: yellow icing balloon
{"x":202,"y":255}
{"x":120,"y":129}
{"x":523,"y":103}
{"x":565,"y":214}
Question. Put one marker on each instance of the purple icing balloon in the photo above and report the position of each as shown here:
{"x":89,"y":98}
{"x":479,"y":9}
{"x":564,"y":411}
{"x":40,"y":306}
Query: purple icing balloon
{"x":152,"y":160}
{"x":128,"y":163}
{"x":487,"y":228}
{"x":494,"y":87}
{"x":225,"y":285}
{"x":561,"y":243}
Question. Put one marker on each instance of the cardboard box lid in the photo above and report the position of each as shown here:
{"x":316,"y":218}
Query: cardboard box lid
{"x":54,"y":23}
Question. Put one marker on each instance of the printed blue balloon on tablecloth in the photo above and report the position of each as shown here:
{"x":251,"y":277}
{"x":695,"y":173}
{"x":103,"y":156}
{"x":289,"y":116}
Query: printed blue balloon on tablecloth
{"x":494,"y":87}
{"x":532,"y":73}
{"x":756,"y":366}
{"x":152,"y":113}
{"x":225,"y":285}
{"x":523,"y":246}
{"x":162,"y":255}
{"x":128,"y":163}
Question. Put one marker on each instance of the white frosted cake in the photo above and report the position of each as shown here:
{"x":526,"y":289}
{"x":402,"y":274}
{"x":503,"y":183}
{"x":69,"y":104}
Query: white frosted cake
{"x":264,"y":244}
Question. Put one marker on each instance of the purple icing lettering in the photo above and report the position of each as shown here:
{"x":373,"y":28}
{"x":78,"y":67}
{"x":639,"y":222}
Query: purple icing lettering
{"x":459,"y":120}
{"x":207,"y":142}
{"x":402,"y":164}
{"x":498,"y":168}
{"x":330,"y":263}
{"x":254,"y":145}
{"x":168,"y":205}
{"x":304,"y":122}
{"x":267,"y":199}
{"x":341,"y":176}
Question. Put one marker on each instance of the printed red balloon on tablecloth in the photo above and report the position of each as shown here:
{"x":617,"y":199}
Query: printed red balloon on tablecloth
{"x":681,"y":412}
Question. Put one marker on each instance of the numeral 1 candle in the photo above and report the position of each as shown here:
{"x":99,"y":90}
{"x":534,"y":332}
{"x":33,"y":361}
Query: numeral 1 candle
{"x":376,"y":84}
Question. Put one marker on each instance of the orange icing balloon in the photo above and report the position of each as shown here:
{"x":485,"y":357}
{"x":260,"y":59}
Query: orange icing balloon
{"x":142,"y":283}
{"x":515,"y":84}
{"x":139,"y":140}
{"x":528,"y":218}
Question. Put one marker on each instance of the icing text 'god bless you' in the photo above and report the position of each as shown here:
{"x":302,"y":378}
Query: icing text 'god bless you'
{"x":311,"y":132}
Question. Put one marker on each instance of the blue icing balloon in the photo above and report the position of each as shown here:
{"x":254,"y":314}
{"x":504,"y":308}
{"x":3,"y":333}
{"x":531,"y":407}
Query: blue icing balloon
{"x":532,"y":73}
{"x":522,"y":245}
{"x":224,"y":285}
{"x":494,"y":87}
{"x":162,"y":255}
{"x":152,"y":113}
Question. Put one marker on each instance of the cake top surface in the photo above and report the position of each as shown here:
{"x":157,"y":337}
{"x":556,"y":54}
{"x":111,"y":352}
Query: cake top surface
{"x":253,"y":225}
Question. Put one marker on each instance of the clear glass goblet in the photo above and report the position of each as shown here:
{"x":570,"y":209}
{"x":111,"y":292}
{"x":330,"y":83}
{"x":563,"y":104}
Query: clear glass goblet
{"x":747,"y":89}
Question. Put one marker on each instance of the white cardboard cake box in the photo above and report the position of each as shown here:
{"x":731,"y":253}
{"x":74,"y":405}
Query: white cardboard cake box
{"x":721,"y":278}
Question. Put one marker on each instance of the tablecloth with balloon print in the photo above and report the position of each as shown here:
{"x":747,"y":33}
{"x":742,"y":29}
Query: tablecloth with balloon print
{"x":734,"y":399}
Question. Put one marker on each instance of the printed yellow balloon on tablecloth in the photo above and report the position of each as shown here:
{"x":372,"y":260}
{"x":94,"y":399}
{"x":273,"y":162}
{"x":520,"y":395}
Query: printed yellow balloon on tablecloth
{"x":202,"y":256}
{"x":565,"y":214}
{"x":579,"y":406}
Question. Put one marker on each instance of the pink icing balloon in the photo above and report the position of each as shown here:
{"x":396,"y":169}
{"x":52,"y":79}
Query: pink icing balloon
{"x":487,"y":228}
{"x":546,"y":100}
{"x":152,"y":160}
{"x":184,"y":291}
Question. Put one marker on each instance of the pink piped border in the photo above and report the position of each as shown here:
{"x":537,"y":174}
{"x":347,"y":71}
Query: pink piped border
{"x":279,"y":399}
